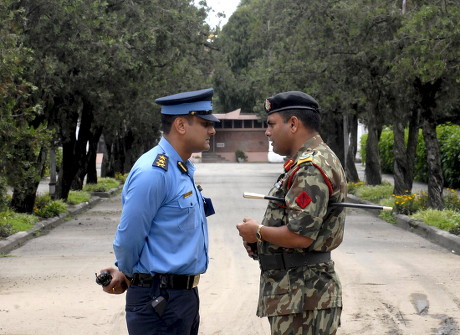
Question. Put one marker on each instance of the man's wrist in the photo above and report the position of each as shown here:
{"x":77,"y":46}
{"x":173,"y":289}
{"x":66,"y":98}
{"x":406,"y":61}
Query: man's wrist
{"x":259,"y":233}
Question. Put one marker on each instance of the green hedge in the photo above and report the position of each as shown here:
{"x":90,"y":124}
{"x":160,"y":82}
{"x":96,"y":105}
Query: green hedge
{"x":448,"y":137}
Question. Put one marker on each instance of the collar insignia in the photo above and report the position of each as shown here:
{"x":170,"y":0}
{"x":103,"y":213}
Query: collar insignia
{"x":182,"y":167}
{"x":161,"y":161}
{"x":289,"y":163}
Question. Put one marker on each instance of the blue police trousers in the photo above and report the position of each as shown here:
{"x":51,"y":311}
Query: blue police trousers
{"x":180,"y":315}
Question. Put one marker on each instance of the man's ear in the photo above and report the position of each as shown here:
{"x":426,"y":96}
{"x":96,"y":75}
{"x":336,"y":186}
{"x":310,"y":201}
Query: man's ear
{"x":179,"y":125}
{"x":294,"y":123}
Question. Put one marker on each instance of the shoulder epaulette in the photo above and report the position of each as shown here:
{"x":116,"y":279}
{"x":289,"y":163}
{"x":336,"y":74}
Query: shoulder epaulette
{"x":161,"y":161}
{"x":307,"y":156}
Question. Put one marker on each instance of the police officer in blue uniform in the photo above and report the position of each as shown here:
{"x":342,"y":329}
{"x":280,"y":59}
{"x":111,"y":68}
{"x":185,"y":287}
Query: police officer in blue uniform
{"x":161,"y":245}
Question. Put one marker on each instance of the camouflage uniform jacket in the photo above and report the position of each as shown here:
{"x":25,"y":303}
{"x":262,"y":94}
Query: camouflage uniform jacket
{"x":311,"y":180}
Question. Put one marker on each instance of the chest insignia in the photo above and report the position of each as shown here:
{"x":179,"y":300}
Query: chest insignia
{"x":189,"y":193}
{"x":161,"y":161}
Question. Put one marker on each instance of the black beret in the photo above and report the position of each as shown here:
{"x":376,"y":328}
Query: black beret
{"x":290,"y":100}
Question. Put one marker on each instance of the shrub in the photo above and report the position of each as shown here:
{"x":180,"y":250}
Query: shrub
{"x":4,"y":198}
{"x":451,"y":200}
{"x":77,"y":197}
{"x":409,"y":203}
{"x":121,"y":177}
{"x":386,"y":151}
{"x":448,"y":137}
{"x":240,"y":156}
{"x":47,"y":208}
{"x":103,"y":185}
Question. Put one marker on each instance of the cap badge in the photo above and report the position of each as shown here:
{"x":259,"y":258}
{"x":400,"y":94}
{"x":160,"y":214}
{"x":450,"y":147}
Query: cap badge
{"x":267,"y":105}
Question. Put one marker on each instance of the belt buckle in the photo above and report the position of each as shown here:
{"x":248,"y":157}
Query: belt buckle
{"x":196,"y":280}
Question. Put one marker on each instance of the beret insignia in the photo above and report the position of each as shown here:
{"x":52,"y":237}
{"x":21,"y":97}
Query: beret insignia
{"x":161,"y":161}
{"x":267,"y":105}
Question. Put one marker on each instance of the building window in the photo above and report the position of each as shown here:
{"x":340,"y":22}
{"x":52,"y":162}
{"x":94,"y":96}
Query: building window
{"x":227,"y":124}
{"x":257,"y":124}
{"x":247,"y":123}
{"x":237,"y":124}
{"x":217,"y":125}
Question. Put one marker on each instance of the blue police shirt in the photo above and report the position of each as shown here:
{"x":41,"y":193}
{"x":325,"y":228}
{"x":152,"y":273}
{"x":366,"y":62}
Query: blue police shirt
{"x":163,"y":227}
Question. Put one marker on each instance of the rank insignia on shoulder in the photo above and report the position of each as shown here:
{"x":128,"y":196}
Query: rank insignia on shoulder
{"x":161,"y":161}
{"x":307,"y":156}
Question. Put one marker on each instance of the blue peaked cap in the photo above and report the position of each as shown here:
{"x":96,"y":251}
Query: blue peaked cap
{"x":198,"y":103}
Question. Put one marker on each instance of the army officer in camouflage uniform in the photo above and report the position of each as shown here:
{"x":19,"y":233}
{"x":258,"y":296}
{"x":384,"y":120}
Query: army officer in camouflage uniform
{"x":300,"y":291}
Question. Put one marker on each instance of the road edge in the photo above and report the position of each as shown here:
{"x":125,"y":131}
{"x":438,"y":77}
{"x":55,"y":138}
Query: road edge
{"x":435,"y":235}
{"x":18,"y":239}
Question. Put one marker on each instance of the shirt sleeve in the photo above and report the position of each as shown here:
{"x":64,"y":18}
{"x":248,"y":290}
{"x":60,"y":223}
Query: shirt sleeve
{"x":142,"y":197}
{"x":307,"y":201}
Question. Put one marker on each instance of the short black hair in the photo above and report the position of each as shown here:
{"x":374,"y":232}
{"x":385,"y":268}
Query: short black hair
{"x":168,"y":120}
{"x":309,"y":118}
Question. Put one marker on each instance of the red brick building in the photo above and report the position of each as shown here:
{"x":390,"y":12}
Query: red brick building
{"x":236,"y":131}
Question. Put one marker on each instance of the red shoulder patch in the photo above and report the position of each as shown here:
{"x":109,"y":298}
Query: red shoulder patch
{"x":303,"y":200}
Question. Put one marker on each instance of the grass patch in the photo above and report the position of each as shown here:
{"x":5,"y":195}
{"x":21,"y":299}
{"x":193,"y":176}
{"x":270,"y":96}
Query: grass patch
{"x":103,"y":185}
{"x":448,"y":220}
{"x":11,"y":222}
{"x":414,"y":205}
{"x":78,"y":197}
{"x":374,"y":193}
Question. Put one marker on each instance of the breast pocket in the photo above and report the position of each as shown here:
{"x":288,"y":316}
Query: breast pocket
{"x":189,"y":206}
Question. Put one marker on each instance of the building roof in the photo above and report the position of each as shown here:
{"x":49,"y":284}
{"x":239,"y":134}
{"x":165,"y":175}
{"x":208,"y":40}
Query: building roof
{"x":236,"y":115}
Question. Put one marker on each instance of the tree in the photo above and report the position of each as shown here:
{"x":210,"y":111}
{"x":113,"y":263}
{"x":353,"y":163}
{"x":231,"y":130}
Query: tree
{"x":428,"y":61}
{"x":99,"y":67}
{"x":24,"y":139}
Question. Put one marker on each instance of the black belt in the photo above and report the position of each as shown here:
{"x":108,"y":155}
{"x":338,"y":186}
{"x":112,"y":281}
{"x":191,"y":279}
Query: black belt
{"x":169,"y":281}
{"x":287,"y":261}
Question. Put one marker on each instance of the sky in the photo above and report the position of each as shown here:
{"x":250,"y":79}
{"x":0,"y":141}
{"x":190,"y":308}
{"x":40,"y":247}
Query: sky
{"x":226,"y":6}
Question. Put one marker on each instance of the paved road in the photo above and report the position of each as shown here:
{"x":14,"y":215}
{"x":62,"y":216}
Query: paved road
{"x":395,"y":282}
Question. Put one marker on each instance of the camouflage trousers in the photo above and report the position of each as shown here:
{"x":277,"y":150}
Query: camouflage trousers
{"x":317,"y":322}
